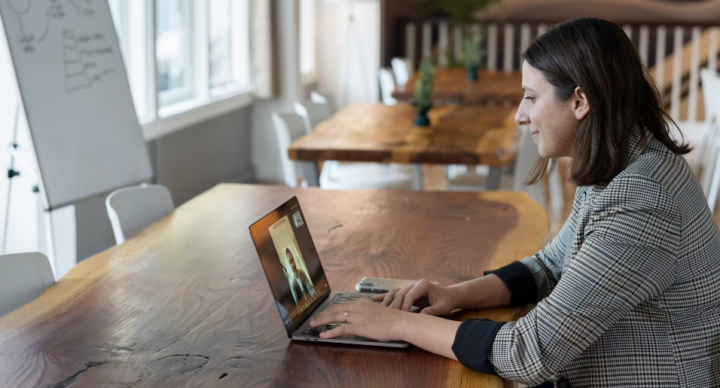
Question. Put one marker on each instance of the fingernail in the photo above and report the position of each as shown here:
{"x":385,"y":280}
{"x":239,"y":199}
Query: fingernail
{"x":323,"y":335}
{"x":312,"y":321}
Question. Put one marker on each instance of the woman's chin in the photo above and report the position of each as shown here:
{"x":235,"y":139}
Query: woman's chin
{"x":542,"y":151}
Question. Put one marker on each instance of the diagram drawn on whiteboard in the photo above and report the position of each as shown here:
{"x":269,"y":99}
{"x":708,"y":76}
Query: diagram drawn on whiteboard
{"x":49,"y":10}
{"x":83,"y":56}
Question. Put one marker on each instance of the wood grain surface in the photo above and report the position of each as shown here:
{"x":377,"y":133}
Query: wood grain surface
{"x":367,"y":132}
{"x":452,"y":86}
{"x":186,"y":304}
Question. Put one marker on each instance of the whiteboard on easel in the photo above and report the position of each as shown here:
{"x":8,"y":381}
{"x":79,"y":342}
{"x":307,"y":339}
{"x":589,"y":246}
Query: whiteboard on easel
{"x":76,"y":97}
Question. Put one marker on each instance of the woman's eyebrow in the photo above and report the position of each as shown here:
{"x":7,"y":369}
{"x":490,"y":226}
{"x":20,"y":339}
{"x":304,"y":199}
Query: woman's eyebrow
{"x":527,"y":88}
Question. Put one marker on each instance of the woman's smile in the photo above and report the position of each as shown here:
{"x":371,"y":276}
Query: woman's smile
{"x":535,"y":134}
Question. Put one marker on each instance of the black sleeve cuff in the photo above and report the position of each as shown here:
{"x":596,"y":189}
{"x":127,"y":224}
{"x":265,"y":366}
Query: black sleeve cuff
{"x":473,"y":344}
{"x":519,"y":280}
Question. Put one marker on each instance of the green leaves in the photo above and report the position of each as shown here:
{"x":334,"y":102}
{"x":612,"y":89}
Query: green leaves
{"x":424,"y":85}
{"x":472,"y":54}
{"x":460,"y":11}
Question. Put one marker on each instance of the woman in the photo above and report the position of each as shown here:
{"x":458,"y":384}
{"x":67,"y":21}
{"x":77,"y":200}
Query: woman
{"x":628,"y":293}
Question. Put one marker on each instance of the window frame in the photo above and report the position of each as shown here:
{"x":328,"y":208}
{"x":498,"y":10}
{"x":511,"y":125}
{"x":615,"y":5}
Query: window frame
{"x":170,"y":111}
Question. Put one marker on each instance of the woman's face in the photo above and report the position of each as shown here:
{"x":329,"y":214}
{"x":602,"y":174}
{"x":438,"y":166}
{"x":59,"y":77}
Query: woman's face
{"x":553,"y":123}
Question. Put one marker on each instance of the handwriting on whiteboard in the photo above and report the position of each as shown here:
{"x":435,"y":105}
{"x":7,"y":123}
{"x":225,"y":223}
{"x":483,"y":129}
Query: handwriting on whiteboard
{"x":33,"y":32}
{"x":83,"y":59}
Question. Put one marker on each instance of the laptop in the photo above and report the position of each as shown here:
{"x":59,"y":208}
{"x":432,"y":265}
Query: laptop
{"x":296,"y":277}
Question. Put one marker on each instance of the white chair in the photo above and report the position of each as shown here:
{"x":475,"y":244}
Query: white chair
{"x":401,"y":68}
{"x":23,"y":277}
{"x":337,"y":176}
{"x":707,"y":152}
{"x":288,"y":128}
{"x":527,"y":156}
{"x":132,"y":209}
{"x":313,"y":113}
{"x":387,"y":85}
{"x":524,"y":162}
{"x":324,"y":99}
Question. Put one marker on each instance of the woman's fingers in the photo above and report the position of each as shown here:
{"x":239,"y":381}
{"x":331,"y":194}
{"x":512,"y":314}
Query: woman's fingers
{"x":336,"y":332}
{"x":399,"y":298}
{"x":389,"y":297}
{"x":416,"y":293}
{"x":331,"y":314}
{"x":378,"y":297}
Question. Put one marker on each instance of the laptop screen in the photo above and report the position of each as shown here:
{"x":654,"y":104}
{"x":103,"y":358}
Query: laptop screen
{"x":290,"y":261}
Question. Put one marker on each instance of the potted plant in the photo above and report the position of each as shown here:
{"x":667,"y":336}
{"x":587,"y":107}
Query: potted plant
{"x":462,"y":13}
{"x":423,"y":93}
{"x":472,"y":55}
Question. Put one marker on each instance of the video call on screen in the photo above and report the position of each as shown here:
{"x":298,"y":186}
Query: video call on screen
{"x":290,"y":260}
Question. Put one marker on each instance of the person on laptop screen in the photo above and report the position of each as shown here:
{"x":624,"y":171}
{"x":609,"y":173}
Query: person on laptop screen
{"x":300,"y":284}
{"x":628,"y":293}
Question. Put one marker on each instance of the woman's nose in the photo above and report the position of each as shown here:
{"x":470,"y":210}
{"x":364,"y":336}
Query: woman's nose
{"x":521,"y":117}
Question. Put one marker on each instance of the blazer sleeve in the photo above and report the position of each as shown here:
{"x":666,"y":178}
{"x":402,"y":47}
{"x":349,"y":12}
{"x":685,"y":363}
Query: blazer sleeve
{"x":533,"y":278}
{"x":628,"y":256}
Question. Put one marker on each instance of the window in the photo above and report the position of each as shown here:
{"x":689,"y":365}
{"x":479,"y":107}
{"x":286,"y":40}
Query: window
{"x":182,"y":55}
{"x":229,"y":42}
{"x":221,"y":43}
{"x":172,"y":48}
{"x":307,"y":38}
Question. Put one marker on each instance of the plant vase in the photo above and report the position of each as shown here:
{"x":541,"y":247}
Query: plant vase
{"x":472,"y":73}
{"x":422,"y":119}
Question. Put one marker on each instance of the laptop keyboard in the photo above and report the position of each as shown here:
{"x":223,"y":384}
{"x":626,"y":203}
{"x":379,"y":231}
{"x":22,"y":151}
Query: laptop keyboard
{"x":340,"y":298}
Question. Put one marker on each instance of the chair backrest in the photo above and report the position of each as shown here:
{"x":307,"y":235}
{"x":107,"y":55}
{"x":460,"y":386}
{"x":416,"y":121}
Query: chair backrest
{"x":706,"y":153}
{"x":23,"y":277}
{"x":288,"y":128}
{"x":132,"y":209}
{"x":711,"y":97}
{"x":714,"y":185}
{"x":324,"y":99}
{"x":526,"y":156}
{"x":312,"y":112}
{"x":401,"y":68}
{"x":387,"y":85}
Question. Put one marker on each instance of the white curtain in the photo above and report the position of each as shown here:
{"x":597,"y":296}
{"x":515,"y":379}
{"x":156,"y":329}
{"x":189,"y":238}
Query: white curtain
{"x":349,"y":50}
{"x":262,"y":48}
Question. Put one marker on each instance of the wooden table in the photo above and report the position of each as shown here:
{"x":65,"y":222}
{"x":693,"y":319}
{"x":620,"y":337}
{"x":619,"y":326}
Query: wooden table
{"x":367,"y":132}
{"x":452,"y":86}
{"x":186,"y":304}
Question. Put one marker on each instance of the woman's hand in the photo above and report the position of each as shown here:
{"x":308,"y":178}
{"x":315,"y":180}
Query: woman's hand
{"x":441,"y":300}
{"x":365,"y":319}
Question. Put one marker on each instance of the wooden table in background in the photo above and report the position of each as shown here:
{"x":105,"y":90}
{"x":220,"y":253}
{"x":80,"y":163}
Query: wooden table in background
{"x":452,"y":86}
{"x":368,"y":132}
{"x":186,"y":304}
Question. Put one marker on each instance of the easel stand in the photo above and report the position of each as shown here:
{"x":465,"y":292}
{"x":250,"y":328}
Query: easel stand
{"x":12,"y":173}
{"x":56,"y":228}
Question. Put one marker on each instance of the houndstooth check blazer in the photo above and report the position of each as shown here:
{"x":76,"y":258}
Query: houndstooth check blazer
{"x":628,"y":293}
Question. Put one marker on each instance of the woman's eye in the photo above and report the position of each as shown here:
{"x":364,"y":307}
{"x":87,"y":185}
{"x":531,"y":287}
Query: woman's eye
{"x":531,"y":99}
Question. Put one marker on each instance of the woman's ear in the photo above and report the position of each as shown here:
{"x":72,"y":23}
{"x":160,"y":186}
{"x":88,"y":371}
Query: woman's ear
{"x":581,"y":104}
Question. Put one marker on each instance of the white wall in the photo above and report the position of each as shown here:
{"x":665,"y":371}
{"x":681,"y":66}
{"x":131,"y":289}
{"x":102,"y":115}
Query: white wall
{"x":348,"y":52}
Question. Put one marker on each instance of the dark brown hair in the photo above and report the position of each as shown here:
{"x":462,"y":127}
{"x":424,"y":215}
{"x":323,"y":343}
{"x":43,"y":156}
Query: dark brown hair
{"x":598,"y":57}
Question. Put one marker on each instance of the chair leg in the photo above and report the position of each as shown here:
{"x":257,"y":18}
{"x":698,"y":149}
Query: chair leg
{"x":493,"y":178}
{"x":311,"y":173}
{"x":417,"y":177}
